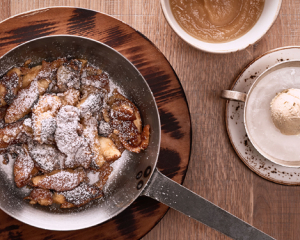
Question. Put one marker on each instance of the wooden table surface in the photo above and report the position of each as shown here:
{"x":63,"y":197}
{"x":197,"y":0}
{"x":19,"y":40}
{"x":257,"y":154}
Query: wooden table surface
{"x":215,"y":171}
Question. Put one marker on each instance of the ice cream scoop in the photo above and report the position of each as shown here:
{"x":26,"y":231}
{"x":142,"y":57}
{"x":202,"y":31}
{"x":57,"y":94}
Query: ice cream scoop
{"x":285,"y":111}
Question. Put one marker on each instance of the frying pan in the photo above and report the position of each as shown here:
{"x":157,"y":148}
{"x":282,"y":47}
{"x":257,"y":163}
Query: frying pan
{"x":134,"y":174}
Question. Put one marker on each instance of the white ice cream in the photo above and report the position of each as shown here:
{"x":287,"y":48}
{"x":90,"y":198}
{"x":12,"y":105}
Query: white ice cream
{"x":285,"y":111}
{"x":260,"y":127}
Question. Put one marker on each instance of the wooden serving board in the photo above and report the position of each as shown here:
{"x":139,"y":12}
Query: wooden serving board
{"x":144,"y":213}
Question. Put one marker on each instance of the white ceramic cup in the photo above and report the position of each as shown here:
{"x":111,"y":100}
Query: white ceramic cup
{"x":264,"y":23}
{"x":264,"y":136}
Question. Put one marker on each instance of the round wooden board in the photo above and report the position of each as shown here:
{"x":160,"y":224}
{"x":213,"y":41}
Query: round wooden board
{"x":144,"y":213}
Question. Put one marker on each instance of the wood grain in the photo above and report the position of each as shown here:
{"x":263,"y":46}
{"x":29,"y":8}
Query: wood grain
{"x":215,"y":171}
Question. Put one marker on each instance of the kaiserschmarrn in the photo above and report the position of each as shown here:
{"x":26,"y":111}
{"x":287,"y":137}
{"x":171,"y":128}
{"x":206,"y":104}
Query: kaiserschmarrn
{"x":61,"y":120}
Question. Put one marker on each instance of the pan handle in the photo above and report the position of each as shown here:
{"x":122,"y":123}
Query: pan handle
{"x":165,"y":190}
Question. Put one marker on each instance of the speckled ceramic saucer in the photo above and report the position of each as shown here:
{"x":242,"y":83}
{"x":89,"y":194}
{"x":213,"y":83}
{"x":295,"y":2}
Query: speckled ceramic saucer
{"x":235,"y":120}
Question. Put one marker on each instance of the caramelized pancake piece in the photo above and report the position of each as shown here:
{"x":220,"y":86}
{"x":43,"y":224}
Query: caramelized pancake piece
{"x":21,"y":105}
{"x":41,"y":196}
{"x":123,"y":110}
{"x":114,"y":137}
{"x":60,"y":180}
{"x":105,"y":114}
{"x":145,"y":137}
{"x":100,"y":81}
{"x":104,"y":129}
{"x":47,"y":157}
{"x":116,"y":96}
{"x":27,"y":127}
{"x":30,"y":75}
{"x":68,"y":75}
{"x":83,"y":62}
{"x":129,"y":136}
{"x":9,"y":86}
{"x":106,"y":148}
{"x":47,"y":103}
{"x":49,"y":69}
{"x":68,"y":140}
{"x":44,"y":113}
{"x":90,"y":71}
{"x":3,"y":92}
{"x":103,"y":148}
{"x":127,"y":123}
{"x":70,"y":97}
{"x":83,"y":156}
{"x":46,"y":70}
{"x":127,"y":109}
{"x":66,"y":135}
{"x":10,"y":133}
{"x":144,"y":141}
{"x":24,"y":169}
{"x":138,"y":121}
{"x":91,"y":104}
{"x":43,"y":84}
{"x":77,"y":197}
{"x":127,"y":131}
{"x":104,"y":173}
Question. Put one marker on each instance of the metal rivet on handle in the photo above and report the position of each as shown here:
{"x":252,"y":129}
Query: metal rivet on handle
{"x":147,"y":171}
{"x":139,"y":175}
{"x":140,"y":185}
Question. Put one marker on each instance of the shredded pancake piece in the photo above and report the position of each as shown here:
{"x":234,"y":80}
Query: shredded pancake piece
{"x":10,"y":133}
{"x":24,"y":169}
{"x":77,"y":197}
{"x":104,"y":173}
{"x":60,"y":180}
{"x":98,"y":81}
{"x":103,"y":148}
{"x":9,"y":86}
{"x":70,"y":97}
{"x":42,"y":196}
{"x":47,"y":157}
{"x":23,"y":103}
{"x":44,"y":122}
{"x":68,"y":140}
{"x":68,"y":75}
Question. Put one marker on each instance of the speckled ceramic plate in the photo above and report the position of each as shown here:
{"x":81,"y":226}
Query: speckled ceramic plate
{"x":235,"y":120}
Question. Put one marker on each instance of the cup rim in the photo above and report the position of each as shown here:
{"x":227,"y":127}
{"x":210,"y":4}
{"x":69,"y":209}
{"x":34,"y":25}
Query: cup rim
{"x":210,"y":47}
{"x":255,"y":145}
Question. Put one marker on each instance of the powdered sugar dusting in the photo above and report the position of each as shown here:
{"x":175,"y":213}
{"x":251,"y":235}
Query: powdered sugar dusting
{"x":27,"y":122}
{"x":118,"y":169}
{"x":92,"y":104}
{"x":66,"y":135}
{"x":81,"y":194}
{"x":26,"y":98}
{"x":8,"y":169}
{"x":47,"y":157}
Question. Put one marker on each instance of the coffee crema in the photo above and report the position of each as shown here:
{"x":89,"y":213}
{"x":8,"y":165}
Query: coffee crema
{"x":217,"y":21}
